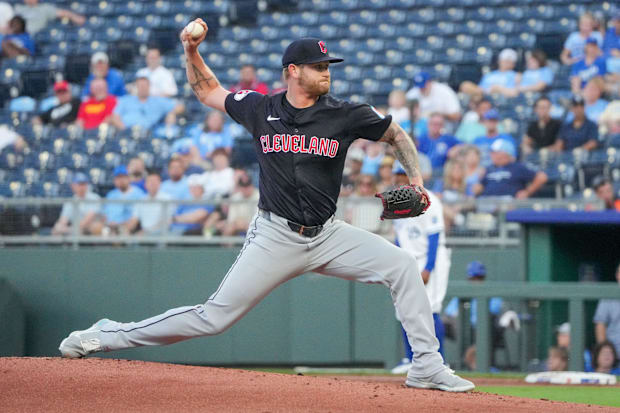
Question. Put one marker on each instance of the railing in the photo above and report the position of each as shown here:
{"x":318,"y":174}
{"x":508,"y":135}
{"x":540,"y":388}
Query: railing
{"x":576,"y":293}
{"x":483,"y":221}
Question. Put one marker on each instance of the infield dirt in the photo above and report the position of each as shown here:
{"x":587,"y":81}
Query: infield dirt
{"x":106,"y":385}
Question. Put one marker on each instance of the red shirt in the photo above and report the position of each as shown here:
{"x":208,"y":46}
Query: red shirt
{"x":93,"y":112}
{"x":256,"y":86}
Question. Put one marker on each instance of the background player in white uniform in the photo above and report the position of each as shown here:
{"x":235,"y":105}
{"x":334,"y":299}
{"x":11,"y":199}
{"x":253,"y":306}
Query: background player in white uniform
{"x":424,"y":237}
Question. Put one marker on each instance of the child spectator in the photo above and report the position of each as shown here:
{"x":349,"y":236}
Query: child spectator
{"x":98,"y":107}
{"x":100,"y":69}
{"x":65,"y":112}
{"x":506,"y":177}
{"x":17,"y":42}
{"x":580,"y":132}
{"x":542,"y":132}
{"x":575,"y":43}
{"x":557,"y":359}
{"x":38,"y":15}
{"x":592,"y":65}
{"x":605,"y":358}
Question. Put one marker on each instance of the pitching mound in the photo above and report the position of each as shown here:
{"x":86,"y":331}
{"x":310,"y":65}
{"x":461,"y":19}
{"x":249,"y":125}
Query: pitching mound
{"x":103,"y":385}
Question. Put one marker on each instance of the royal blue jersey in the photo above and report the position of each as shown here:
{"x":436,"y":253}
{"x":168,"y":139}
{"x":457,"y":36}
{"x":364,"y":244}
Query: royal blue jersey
{"x":506,"y":180}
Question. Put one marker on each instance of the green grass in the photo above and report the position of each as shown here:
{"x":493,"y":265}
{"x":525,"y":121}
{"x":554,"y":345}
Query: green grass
{"x":604,"y":396}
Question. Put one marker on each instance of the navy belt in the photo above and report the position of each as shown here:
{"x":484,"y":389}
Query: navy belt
{"x":304,"y":230}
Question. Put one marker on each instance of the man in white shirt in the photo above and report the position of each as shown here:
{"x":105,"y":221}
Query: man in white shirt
{"x":434,"y":97}
{"x":38,"y":15}
{"x":87,"y":214}
{"x":162,"y":80}
{"x":152,"y":217}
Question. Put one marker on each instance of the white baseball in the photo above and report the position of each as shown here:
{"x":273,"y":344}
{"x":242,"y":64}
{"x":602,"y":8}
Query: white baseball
{"x":195,"y":29}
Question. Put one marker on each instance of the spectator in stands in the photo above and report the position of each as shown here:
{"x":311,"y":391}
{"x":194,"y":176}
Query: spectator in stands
{"x":352,"y":170}
{"x":38,"y":15}
{"x":453,"y":187}
{"x":17,"y":42}
{"x":385,"y":174}
{"x":594,"y":105}
{"x":611,"y":43}
{"x":6,"y":14}
{"x":592,"y":65}
{"x":607,"y":319}
{"x":151,"y":218}
{"x":434,"y":97}
{"x":184,"y":151}
{"x":137,"y":172}
{"x":543,"y":131}
{"x":506,"y":177}
{"x":176,"y":185}
{"x":100,"y":69}
{"x":213,"y":135}
{"x":374,"y":154}
{"x":580,"y":132}
{"x":609,"y":121}
{"x":88,"y":214}
{"x":143,"y":110}
{"x":161,"y":79}
{"x":219,"y":182}
{"x":118,"y":214}
{"x":605,"y":358}
{"x":436,"y":144}
{"x":502,"y":81}
{"x":605,"y":192}
{"x":239,"y":212}
{"x":557,"y":359}
{"x":65,"y":112}
{"x":190,"y":218}
{"x":474,"y":171}
{"x":471,"y":126}
{"x":398,"y":107}
{"x":491,"y":123}
{"x":538,"y":76}
{"x":249,"y":81}
{"x":575,"y":43}
{"x":98,"y":107}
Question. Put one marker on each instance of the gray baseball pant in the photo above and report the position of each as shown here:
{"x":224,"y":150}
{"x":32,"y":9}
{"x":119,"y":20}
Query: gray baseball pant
{"x":273,"y":254}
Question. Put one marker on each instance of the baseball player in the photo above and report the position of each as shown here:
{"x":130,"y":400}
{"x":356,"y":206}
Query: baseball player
{"x":301,"y":138}
{"x":424,"y":238}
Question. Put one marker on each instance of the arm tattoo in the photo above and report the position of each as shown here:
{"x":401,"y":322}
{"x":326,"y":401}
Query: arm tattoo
{"x":404,"y":149}
{"x":200,"y":77}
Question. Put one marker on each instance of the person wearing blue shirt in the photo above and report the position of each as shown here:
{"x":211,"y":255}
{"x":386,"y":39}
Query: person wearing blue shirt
{"x":591,"y":66}
{"x":594,"y":105}
{"x":503,"y":80}
{"x":575,"y":43}
{"x":176,"y":185}
{"x":435,"y":144}
{"x":580,"y":132}
{"x":144,"y":110}
{"x":491,"y":123}
{"x":118,"y":214}
{"x":538,"y":76}
{"x":190,"y":218}
{"x":611,"y":43}
{"x":214,"y":135}
{"x":17,"y":41}
{"x":100,"y":68}
{"x":506,"y":177}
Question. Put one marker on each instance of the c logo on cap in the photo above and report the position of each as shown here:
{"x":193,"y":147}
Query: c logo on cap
{"x":323,"y":47}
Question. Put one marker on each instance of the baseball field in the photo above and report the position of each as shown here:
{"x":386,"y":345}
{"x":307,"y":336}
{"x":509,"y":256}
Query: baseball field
{"x":107,"y":385}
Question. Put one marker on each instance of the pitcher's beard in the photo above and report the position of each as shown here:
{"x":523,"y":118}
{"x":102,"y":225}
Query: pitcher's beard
{"x":318,"y":88}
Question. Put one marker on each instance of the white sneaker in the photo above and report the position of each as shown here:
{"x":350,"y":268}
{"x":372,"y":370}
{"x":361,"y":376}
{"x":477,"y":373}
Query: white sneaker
{"x":402,"y":367}
{"x":444,"y":380}
{"x":83,"y":342}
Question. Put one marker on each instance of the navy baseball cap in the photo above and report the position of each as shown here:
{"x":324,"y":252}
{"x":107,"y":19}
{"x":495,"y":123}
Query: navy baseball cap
{"x":307,"y":50}
{"x":491,"y":114}
{"x":421,"y":79}
{"x":80,"y":178}
{"x":120,"y":170}
{"x":591,"y":40}
{"x":476,"y":269}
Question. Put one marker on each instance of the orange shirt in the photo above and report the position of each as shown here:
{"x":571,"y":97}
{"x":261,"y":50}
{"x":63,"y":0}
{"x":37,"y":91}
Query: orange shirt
{"x":93,"y":112}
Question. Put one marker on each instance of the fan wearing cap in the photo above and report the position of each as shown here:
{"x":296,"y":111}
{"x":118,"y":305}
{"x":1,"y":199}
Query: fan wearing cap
{"x":490,"y":120}
{"x":591,"y":66}
{"x":580,"y":132}
{"x":100,"y":69}
{"x":87,"y":216}
{"x":301,"y":138}
{"x":118,"y":214}
{"x":506,"y":177}
{"x":143,"y":109}
{"x":65,"y":112}
{"x":434,"y":97}
{"x":502,"y":81}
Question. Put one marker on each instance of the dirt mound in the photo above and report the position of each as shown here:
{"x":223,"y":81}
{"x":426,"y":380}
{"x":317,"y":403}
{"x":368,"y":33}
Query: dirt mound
{"x":104,"y":385}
